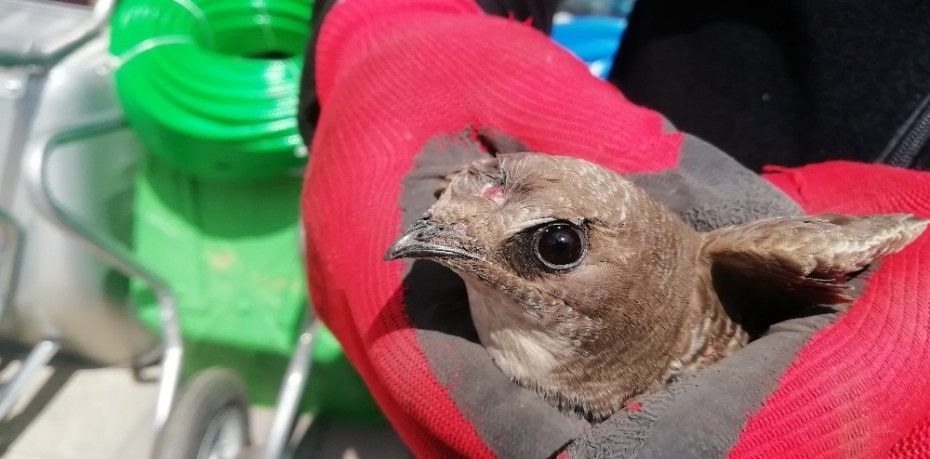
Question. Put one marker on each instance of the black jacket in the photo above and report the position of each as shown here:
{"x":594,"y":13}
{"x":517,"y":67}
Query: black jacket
{"x":786,"y":82}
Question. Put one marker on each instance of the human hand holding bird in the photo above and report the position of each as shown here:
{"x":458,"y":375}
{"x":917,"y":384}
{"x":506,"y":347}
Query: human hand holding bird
{"x":584,"y":288}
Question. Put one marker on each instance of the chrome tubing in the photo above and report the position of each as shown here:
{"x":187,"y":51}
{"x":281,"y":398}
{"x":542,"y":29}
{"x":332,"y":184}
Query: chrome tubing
{"x":110,"y":251}
{"x":40,"y":355}
{"x":295,"y":379}
{"x":14,"y":245}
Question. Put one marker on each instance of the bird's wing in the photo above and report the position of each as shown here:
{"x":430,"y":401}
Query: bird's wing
{"x":812,"y":256}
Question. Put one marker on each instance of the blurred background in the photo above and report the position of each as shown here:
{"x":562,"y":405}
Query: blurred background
{"x":152,"y":292}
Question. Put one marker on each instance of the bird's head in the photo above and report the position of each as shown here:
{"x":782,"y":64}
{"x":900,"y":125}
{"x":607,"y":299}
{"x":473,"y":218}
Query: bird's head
{"x":570,"y":270}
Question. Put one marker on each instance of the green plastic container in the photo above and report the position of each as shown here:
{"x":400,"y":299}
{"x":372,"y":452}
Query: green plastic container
{"x":210,"y":88}
{"x":230,"y":252}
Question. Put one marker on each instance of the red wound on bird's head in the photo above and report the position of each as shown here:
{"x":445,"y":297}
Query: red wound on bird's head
{"x":493,"y":193}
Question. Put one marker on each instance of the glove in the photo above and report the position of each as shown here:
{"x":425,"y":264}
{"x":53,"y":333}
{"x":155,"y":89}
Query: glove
{"x":410,"y":90}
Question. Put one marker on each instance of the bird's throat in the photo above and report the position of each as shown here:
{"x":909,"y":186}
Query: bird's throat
{"x":516,"y":344}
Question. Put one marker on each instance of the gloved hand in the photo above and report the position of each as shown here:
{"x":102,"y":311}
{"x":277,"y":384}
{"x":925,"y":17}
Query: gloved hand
{"x":412,"y":89}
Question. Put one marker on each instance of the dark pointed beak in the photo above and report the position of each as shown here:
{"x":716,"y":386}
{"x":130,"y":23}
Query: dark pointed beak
{"x":427,"y":239}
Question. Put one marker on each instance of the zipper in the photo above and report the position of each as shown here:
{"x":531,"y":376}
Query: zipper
{"x":910,"y":139}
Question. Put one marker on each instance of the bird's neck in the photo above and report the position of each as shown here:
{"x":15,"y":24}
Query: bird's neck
{"x":710,"y":334}
{"x":555,"y":369}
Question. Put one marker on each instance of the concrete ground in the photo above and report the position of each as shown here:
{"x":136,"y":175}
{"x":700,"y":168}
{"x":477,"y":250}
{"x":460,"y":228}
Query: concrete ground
{"x":75,"y":410}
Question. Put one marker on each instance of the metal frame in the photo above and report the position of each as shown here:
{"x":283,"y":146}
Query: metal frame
{"x":98,"y":19}
{"x":295,"y":377}
{"x":292,"y":387}
{"x":112,"y":252}
{"x":38,"y":154}
{"x":15,"y":247}
{"x":40,"y":355}
{"x":109,"y":250}
{"x":26,"y":91}
{"x":23,"y":86}
{"x":43,"y":351}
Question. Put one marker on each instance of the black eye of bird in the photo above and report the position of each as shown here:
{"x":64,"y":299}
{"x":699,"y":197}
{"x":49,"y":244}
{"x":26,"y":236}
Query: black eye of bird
{"x":560,"y":245}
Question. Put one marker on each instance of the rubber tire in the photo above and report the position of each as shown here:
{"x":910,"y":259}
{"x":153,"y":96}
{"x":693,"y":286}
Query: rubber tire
{"x":210,"y":393}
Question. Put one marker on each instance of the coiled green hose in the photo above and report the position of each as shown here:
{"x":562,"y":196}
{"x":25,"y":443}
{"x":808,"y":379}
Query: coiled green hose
{"x":211,"y":86}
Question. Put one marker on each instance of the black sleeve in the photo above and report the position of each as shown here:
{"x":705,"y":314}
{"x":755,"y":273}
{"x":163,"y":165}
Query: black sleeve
{"x":791,"y":82}
{"x":308,"y":107}
{"x":540,"y":12}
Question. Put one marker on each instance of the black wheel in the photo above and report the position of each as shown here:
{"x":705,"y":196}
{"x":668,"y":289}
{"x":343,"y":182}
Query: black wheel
{"x":209,"y":421}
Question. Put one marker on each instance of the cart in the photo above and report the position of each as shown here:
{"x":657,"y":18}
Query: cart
{"x":185,"y":289}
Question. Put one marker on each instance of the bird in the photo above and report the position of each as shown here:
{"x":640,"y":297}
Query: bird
{"x":587,"y":290}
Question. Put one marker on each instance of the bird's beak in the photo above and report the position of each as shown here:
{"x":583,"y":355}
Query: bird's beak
{"x":427,"y":239}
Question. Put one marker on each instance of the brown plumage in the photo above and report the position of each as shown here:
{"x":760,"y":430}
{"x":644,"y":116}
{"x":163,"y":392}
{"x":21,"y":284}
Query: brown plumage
{"x":587,"y":290}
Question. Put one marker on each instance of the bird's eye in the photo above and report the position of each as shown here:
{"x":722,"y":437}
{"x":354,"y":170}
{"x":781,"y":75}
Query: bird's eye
{"x":560,"y":245}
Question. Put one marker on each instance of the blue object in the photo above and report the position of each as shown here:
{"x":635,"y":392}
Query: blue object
{"x":593,"y":39}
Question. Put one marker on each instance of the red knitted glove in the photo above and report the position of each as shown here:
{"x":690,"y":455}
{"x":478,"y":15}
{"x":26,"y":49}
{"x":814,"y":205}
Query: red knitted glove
{"x":410,"y":89}
{"x":391,"y":77}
